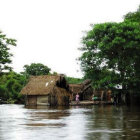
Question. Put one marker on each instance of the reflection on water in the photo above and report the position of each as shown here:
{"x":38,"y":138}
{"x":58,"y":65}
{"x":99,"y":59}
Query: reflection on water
{"x":81,"y":123}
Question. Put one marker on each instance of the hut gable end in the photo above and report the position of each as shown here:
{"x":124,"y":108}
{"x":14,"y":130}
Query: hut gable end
{"x":84,"y":89}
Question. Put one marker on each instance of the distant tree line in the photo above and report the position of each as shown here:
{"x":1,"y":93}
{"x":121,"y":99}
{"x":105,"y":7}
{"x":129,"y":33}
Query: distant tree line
{"x":73,"y":80}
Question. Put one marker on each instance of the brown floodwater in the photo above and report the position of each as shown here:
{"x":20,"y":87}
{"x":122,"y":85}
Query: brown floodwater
{"x":69,"y":123}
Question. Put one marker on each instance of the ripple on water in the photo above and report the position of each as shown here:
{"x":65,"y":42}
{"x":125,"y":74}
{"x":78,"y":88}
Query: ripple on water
{"x":93,"y":122}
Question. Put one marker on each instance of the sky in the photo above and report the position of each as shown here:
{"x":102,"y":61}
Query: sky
{"x":50,"y":31}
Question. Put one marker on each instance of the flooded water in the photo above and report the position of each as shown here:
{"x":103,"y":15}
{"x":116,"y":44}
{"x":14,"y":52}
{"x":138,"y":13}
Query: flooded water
{"x":73,"y":123}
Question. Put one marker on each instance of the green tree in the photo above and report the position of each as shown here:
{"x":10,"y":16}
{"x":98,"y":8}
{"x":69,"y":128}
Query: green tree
{"x":5,"y":55}
{"x":111,"y":52}
{"x":72,"y":80}
{"x":36,"y":69}
{"x":133,"y":16}
{"x":10,"y":86}
{"x":3,"y":93}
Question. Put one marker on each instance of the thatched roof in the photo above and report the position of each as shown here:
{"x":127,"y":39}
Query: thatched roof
{"x":86,"y":82}
{"x":76,"y":88}
{"x":79,"y":88}
{"x":43,"y":85}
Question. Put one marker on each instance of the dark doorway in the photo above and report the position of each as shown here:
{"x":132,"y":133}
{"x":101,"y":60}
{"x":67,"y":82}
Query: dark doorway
{"x":81,"y":98}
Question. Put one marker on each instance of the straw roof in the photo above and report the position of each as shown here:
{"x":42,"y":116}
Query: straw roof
{"x":79,"y":88}
{"x":43,"y":85}
{"x":86,"y":82}
{"x":76,"y":88}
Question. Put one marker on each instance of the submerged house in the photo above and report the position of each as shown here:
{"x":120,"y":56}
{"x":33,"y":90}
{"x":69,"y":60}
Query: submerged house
{"x":84,"y":90}
{"x":46,"y":90}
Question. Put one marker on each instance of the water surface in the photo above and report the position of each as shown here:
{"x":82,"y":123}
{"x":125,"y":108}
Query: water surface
{"x":69,"y":123}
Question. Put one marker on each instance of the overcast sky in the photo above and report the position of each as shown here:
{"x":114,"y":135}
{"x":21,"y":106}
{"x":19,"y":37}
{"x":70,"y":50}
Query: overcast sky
{"x":50,"y":31}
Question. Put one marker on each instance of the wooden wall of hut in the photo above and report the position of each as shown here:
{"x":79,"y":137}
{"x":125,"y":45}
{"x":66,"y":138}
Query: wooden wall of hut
{"x":31,"y":100}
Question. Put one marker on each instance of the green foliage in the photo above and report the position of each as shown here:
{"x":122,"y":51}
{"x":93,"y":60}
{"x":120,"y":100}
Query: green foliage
{"x":54,"y":73}
{"x":3,"y":92}
{"x":72,"y":80}
{"x":133,"y":16}
{"x":5,"y":55}
{"x":111,"y":53}
{"x":36,"y":69}
{"x":10,"y":86}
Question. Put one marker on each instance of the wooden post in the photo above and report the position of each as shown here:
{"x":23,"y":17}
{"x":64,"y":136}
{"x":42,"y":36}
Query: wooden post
{"x":102,"y":94}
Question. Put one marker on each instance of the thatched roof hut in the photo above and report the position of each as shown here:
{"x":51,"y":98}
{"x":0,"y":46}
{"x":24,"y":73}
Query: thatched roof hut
{"x":46,"y":90}
{"x":84,"y":89}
